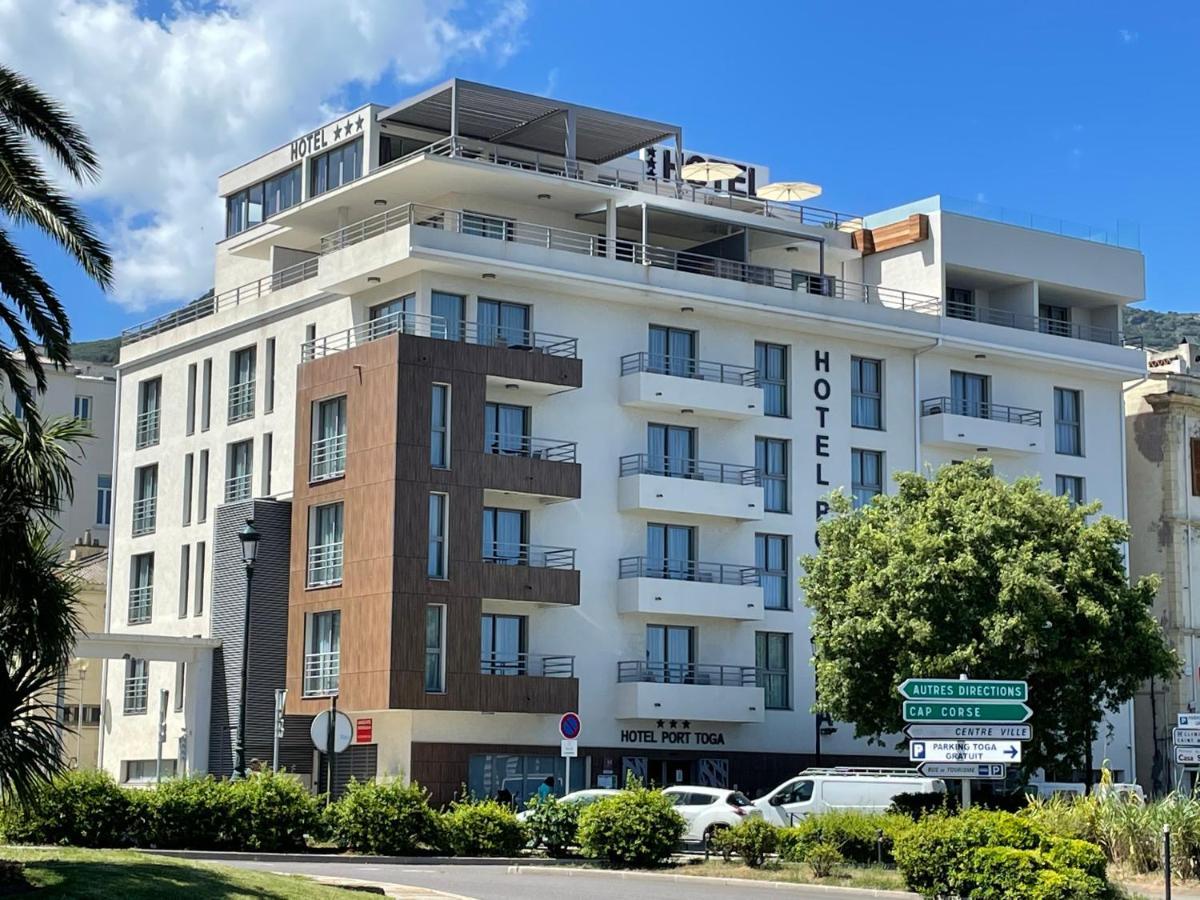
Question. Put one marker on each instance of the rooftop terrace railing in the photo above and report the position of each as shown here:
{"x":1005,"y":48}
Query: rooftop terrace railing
{"x":1026,"y":322}
{"x":687,"y":367}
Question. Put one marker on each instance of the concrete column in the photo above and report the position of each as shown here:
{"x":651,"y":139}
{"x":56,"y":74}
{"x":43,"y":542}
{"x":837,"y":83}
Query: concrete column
{"x":197,"y":710}
{"x":610,"y":229}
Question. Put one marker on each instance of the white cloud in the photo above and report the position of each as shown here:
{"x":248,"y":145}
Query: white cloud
{"x":169,"y":104}
{"x":1127,"y":36}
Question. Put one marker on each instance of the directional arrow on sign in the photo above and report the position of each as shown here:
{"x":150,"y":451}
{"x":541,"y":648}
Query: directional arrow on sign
{"x":963,"y":689}
{"x":963,"y":712}
{"x":965,"y":751}
{"x":965,"y":732}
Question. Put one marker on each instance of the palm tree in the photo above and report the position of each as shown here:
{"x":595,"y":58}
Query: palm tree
{"x":30,"y":311}
{"x":37,"y":599}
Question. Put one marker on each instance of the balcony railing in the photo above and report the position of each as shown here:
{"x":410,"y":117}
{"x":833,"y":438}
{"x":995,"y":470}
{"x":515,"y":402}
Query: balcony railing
{"x":991,"y":316}
{"x":147,"y":428}
{"x":325,"y":564}
{"x":535,"y":556}
{"x":145,"y":515}
{"x":321,"y":672}
{"x":141,"y":604}
{"x":685,"y":367}
{"x":207,"y":306}
{"x":506,"y":444}
{"x":687,"y":570}
{"x":136,"y":691}
{"x":241,"y":402}
{"x":694,"y":469}
{"x":327,"y":459}
{"x":238,"y":487}
{"x":634,"y":670}
{"x":527,"y":664}
{"x":997,"y":412}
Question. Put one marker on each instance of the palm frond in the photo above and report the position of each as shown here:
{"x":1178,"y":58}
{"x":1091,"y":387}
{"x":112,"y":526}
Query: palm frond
{"x":46,"y":121}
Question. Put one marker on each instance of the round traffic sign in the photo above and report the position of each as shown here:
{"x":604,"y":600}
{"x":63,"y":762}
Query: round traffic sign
{"x":569,"y":726}
{"x":343,"y":730}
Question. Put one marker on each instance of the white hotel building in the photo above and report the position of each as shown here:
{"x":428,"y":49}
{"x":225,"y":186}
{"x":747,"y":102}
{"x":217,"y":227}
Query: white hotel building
{"x":530,"y":425}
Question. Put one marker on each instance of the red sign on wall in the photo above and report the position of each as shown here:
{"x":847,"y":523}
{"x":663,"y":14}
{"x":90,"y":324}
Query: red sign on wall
{"x":362,"y":730}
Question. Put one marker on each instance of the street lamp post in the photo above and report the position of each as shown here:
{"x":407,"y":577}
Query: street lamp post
{"x":249,"y":538}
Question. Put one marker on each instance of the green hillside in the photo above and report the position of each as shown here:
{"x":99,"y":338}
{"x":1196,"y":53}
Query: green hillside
{"x":104,"y":351}
{"x":1161,"y":330}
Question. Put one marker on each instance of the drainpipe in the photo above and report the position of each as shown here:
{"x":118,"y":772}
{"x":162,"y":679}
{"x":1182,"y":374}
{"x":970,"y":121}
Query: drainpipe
{"x":917,"y":401}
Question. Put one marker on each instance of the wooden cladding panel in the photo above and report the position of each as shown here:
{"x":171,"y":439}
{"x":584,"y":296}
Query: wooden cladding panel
{"x":888,"y":237}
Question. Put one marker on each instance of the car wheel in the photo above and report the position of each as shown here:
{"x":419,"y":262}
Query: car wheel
{"x":709,"y":833}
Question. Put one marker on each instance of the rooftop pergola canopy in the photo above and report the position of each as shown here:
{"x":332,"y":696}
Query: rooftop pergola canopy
{"x":481,"y":112}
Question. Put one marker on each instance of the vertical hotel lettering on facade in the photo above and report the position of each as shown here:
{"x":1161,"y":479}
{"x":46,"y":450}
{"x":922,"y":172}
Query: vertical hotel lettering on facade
{"x":524,"y":421}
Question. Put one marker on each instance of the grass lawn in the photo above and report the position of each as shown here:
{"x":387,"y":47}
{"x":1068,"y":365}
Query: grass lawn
{"x":128,"y":875}
{"x":867,"y":877}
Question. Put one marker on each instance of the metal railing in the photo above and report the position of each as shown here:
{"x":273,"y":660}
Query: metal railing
{"x":327,"y":458}
{"x":508,"y":444}
{"x":694,"y":469}
{"x":997,"y":412}
{"x":489,"y":335}
{"x":147,"y":429}
{"x":321,"y":672}
{"x":207,"y":306}
{"x":527,"y":664}
{"x":686,"y":367}
{"x":535,"y":556}
{"x":136,"y":691}
{"x":373,"y":330}
{"x":687,"y":570}
{"x":241,"y":401}
{"x":145,"y":515}
{"x":632,"y":670}
{"x":1025,"y":322}
{"x":1125,"y":234}
{"x":238,"y":487}
{"x":141,"y":604}
{"x":325,"y":564}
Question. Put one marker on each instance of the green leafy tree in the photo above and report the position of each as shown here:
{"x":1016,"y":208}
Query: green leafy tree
{"x":965,"y":573}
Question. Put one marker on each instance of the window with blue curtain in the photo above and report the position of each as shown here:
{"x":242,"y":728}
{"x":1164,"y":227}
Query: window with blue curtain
{"x":669,"y":652}
{"x":771,"y":460}
{"x":506,"y":429}
{"x":866,"y":475}
{"x":771,"y":362}
{"x":448,"y":308}
{"x":670,"y":550}
{"x":502,"y":644}
{"x":866,"y":392}
{"x":502,"y":323}
{"x":671,"y":450}
{"x":1068,"y":431}
{"x":772,"y":557}
{"x":970,"y":395}
{"x":504,"y":532}
{"x":672,"y":351}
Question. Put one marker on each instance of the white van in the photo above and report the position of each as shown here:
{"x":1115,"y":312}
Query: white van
{"x":827,"y":790}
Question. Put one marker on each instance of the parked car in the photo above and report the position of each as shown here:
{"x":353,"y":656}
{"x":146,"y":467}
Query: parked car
{"x":826,"y":790}
{"x":707,"y":810}
{"x":577,"y":798}
{"x":1048,"y":789}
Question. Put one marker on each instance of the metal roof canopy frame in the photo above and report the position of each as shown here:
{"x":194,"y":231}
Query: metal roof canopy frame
{"x":540,"y":124}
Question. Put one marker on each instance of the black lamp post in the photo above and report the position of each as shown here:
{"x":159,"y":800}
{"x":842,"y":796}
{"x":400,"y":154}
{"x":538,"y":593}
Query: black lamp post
{"x":249,"y":538}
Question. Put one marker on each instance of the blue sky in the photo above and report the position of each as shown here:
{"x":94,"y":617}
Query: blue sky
{"x":1084,"y":111}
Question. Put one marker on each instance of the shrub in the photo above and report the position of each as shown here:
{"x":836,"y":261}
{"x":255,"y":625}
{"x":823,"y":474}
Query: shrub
{"x":855,"y":834}
{"x":84,"y":809}
{"x":637,"y":827}
{"x":752,"y":840}
{"x":553,"y":825}
{"x":190,"y":813}
{"x":482,"y":828}
{"x":271,"y":812}
{"x":823,"y":859}
{"x":917,"y":805}
{"x":1005,"y":873}
{"x":390,"y":819}
{"x":1068,"y":853}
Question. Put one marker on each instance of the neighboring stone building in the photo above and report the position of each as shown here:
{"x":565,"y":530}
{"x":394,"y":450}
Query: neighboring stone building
{"x":79,"y":689}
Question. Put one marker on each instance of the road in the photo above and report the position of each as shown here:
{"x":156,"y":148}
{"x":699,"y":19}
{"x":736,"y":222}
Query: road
{"x":500,"y":883}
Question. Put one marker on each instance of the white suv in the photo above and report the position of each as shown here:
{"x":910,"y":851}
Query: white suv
{"x":707,"y":809}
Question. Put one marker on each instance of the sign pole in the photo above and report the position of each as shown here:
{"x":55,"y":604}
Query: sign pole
{"x":567,"y":786}
{"x":280,"y":698}
{"x":966,"y":782}
{"x":329,"y":754}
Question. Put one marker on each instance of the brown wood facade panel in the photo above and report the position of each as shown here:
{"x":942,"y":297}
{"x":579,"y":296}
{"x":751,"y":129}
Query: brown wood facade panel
{"x":896,"y":234}
{"x":523,"y":475}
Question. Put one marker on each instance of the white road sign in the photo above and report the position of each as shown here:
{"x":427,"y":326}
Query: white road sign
{"x":1186,"y":737}
{"x":1187,"y":756}
{"x":570,"y":747}
{"x":962,"y":770}
{"x":965,"y":732}
{"x":343,"y":731}
{"x":965,"y":751}
{"x":1187,"y":720}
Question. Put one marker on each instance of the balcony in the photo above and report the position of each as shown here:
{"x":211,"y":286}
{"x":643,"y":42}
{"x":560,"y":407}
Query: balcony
{"x":321,"y":672}
{"x":238,"y":487}
{"x":145,"y":515}
{"x":689,"y":486}
{"x":529,"y":572}
{"x":659,"y":587}
{"x":327,"y":458}
{"x":527,"y":664}
{"x":325,"y":564}
{"x":659,"y":382}
{"x":141,"y":604}
{"x":984,"y":427}
{"x":147,"y":429}
{"x":543,"y":469}
{"x":1006,"y":319}
{"x":241,"y":402}
{"x":696,"y":691}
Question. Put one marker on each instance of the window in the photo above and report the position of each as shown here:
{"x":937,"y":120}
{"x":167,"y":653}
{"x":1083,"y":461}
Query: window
{"x":252,"y":205}
{"x":1054,"y":319}
{"x":198,"y":604}
{"x":672,"y":351}
{"x":188,"y":466}
{"x":83,"y":408}
{"x":191,"y":399}
{"x":502,"y":645}
{"x":103,"y":499}
{"x":239,"y":471}
{"x":18,"y":407}
{"x":771,"y":361}
{"x":773,"y":559}
{"x":1068,"y":432}
{"x":145,"y":499}
{"x":241,"y":384}
{"x":185,"y":563}
{"x":866,"y":392}
{"x":391,"y":317}
{"x":435,"y":640}
{"x":504,"y":324}
{"x":141,"y":589}
{"x":327,"y":458}
{"x":145,"y":771}
{"x":339,"y":166}
{"x":149,"y":400}
{"x":480,"y":225}
{"x":269,"y":385}
{"x":437,"y":536}
{"x":322,"y":653}
{"x":206,"y":395}
{"x":506,"y":429}
{"x":960,"y":303}
{"x":137,"y":686}
{"x":971,"y":395}
{"x":202,"y":488}
{"x":670,"y":551}
{"x":670,"y":450}
{"x":325,"y":543}
{"x":1069,"y":486}
{"x":180,"y":681}
{"x":866,"y":475}
{"x":771,"y":460}
{"x":448,"y":308}
{"x":669,"y":651}
{"x":772,"y":658}
{"x":310,"y":332}
{"x":439,"y":427}
{"x":268,"y":448}
{"x":1194,"y":446}
{"x":505,"y":539}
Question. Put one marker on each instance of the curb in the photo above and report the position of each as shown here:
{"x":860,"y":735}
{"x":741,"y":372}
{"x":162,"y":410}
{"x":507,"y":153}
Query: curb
{"x":351,"y":859}
{"x":712,"y":879}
